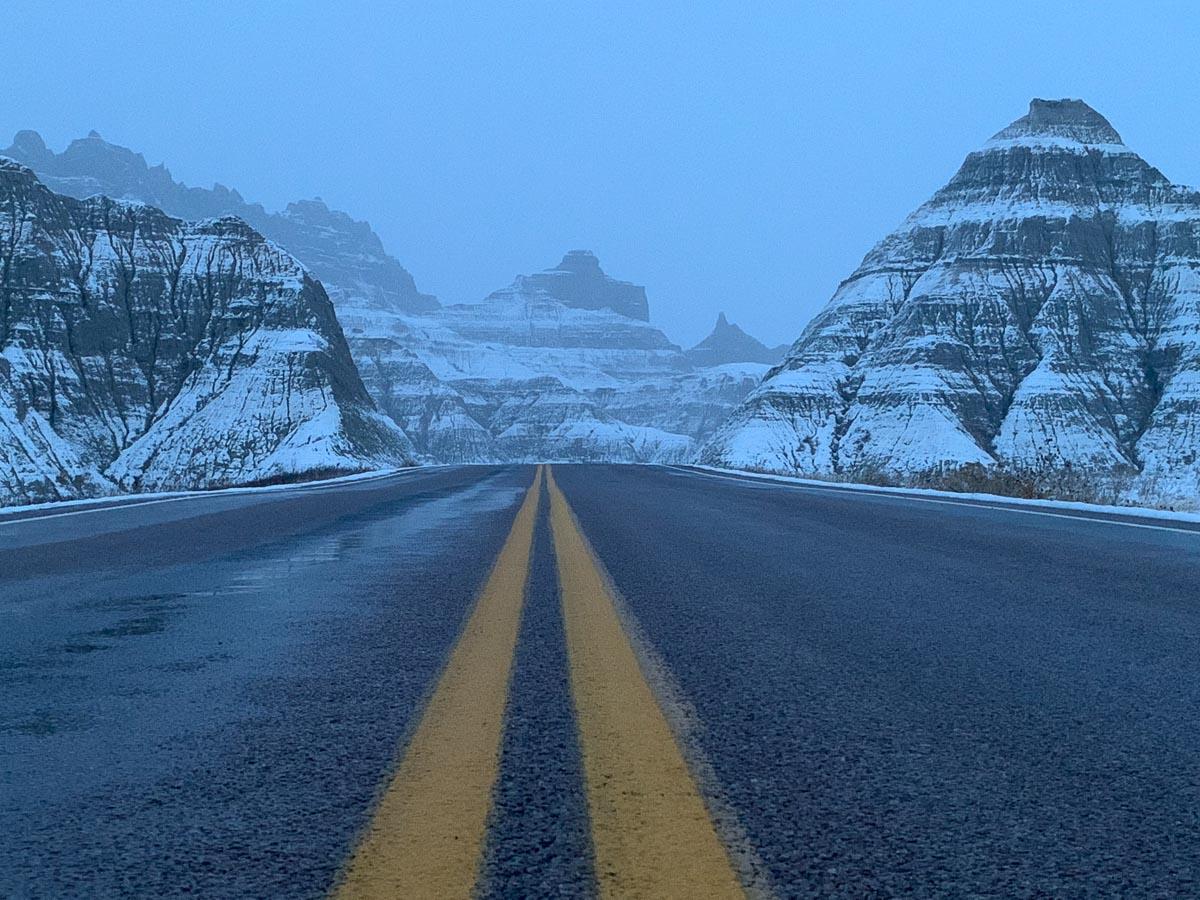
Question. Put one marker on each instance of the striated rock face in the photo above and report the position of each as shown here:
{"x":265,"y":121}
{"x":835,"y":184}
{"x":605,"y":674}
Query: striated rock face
{"x":344,"y":254}
{"x":140,"y":352}
{"x":527,"y":375}
{"x":727,"y":343}
{"x":1040,"y":314}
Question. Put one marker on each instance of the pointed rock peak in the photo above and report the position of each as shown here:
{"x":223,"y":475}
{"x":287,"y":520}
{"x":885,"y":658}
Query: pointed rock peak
{"x":728,"y":343}
{"x":581,"y":261}
{"x":94,"y":135}
{"x":1055,"y":121}
{"x":724,"y":330}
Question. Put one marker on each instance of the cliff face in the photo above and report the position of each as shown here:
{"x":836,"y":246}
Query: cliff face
{"x":1040,"y":314}
{"x":579,"y":283}
{"x":561,"y":364}
{"x":141,"y":352}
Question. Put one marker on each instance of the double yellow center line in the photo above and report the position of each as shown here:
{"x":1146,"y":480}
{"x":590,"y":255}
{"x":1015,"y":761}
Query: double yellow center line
{"x":651,"y":832}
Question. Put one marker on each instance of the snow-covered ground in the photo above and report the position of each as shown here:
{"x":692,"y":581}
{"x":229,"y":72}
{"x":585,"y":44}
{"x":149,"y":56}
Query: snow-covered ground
{"x":1049,"y":506}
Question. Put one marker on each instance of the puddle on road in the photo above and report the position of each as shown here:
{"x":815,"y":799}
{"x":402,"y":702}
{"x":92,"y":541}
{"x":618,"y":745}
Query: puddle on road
{"x":154,"y":624}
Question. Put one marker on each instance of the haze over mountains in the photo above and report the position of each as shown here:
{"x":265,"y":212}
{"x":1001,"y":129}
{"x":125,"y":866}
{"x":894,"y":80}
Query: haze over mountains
{"x":344,"y":254}
{"x":1038,"y":319}
{"x":562,"y":364}
{"x":559,"y":365}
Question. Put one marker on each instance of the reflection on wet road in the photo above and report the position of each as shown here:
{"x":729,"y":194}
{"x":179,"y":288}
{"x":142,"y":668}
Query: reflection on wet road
{"x":597,"y":680}
{"x":222,"y":725}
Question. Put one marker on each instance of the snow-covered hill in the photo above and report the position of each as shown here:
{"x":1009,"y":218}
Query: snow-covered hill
{"x":1040,"y":315}
{"x":141,"y":352}
{"x":561,"y":365}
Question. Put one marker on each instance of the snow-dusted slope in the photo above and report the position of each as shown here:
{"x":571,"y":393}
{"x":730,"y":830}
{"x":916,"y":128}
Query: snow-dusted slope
{"x":548,"y":368}
{"x":138,"y":351}
{"x":562,"y":364}
{"x":1039,"y":315}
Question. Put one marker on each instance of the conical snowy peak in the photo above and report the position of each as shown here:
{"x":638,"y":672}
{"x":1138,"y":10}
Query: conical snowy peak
{"x":1038,"y":316}
{"x":1062,"y":160}
{"x":1060,"y":121}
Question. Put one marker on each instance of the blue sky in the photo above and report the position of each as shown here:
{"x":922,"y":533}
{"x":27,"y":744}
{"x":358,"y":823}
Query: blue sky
{"x":736,"y":156}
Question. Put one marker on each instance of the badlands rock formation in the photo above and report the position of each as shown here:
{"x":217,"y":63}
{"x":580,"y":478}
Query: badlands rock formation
{"x":141,"y":352}
{"x":1040,"y":316}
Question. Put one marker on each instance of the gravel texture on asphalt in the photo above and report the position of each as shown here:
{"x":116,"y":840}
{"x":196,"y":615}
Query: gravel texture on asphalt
{"x":906,"y":699}
{"x":888,"y":697}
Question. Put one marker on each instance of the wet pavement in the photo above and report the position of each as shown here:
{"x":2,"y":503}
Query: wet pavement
{"x":876,"y":696}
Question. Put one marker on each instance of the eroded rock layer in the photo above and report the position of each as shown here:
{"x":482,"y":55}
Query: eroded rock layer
{"x":141,"y":352}
{"x":1039,"y":315}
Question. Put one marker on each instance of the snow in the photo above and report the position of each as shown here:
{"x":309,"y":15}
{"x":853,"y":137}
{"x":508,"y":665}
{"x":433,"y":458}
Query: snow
{"x":992,"y":500}
{"x":270,"y":386}
{"x":91,"y":504}
{"x":1042,"y":142}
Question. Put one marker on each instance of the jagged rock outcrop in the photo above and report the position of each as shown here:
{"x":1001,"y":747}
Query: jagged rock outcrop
{"x":345,"y":255}
{"x":529,"y":375}
{"x":1039,"y":315}
{"x":727,"y":343}
{"x":141,"y":352}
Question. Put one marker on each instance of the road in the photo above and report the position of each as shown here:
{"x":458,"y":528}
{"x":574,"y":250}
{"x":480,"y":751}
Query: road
{"x":578,"y":680}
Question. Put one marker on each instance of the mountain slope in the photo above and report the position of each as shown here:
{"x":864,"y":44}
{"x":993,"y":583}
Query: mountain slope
{"x":345,"y":255}
{"x":1039,"y":315}
{"x":141,"y":352}
{"x":561,"y":364}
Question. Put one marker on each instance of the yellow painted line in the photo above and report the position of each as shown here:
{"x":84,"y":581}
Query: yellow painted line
{"x":651,"y":832}
{"x":426,"y":837}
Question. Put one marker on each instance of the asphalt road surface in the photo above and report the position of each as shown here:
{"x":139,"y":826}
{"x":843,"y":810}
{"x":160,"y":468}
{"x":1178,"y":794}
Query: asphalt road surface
{"x":596,"y":680}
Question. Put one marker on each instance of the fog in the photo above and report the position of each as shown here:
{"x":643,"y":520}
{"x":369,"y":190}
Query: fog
{"x":734,"y":157}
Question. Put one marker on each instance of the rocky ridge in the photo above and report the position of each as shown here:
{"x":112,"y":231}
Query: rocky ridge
{"x":141,"y":352}
{"x":345,"y":255}
{"x":560,"y":365}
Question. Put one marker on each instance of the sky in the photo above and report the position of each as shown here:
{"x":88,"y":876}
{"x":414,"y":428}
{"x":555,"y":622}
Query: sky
{"x":729,"y":156}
